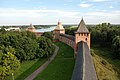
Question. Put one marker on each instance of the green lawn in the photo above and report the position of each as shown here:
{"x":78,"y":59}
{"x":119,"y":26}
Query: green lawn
{"x":61,"y":67}
{"x":107,"y":55}
{"x":27,"y":68}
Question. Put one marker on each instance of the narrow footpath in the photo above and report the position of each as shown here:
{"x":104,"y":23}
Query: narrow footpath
{"x":42,"y":67}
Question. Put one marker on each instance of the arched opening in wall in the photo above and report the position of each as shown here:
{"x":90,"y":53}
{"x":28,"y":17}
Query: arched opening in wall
{"x":86,"y":39}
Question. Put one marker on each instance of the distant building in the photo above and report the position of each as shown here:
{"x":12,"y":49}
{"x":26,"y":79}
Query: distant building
{"x":12,"y":29}
{"x":31,"y":28}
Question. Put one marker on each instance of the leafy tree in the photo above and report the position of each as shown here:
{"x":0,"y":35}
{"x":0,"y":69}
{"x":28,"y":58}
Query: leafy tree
{"x":46,"y":45}
{"x":116,"y":46}
{"x":26,"y":48}
{"x":40,"y":53}
{"x":24,"y":43}
{"x":48,"y":35}
{"x":70,"y":31}
{"x":28,"y":34}
{"x":7,"y":49}
{"x":2,"y":30}
{"x":8,"y":64}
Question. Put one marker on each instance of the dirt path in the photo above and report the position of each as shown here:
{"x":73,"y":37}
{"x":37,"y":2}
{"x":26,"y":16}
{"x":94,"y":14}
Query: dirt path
{"x":42,"y":67}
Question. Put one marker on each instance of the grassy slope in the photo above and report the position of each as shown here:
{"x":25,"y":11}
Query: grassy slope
{"x":61,"y":67}
{"x":107,"y":67}
{"x":27,"y":68}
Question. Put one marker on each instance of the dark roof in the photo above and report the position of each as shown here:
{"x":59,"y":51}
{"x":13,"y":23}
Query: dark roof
{"x":78,"y":68}
{"x":83,"y":64}
{"x":82,"y":27}
{"x":68,"y":36}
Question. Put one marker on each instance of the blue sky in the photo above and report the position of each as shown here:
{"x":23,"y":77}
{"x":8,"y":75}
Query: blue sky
{"x":50,"y":11}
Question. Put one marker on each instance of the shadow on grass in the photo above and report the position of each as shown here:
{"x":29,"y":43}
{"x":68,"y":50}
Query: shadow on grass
{"x":31,"y":69}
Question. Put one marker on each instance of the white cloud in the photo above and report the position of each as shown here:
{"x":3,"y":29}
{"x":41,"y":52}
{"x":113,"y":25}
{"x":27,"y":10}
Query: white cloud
{"x":99,"y":17}
{"x":83,"y":5}
{"x":36,"y":13}
{"x":111,"y":7}
{"x":14,"y":16}
{"x":104,"y":14}
{"x":28,"y":16}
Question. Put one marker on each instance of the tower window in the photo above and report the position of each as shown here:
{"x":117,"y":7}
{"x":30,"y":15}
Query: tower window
{"x":84,"y":34}
{"x":87,"y":34}
{"x":86,"y":39}
{"x":81,"y":34}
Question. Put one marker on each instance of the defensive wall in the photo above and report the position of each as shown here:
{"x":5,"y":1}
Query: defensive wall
{"x":67,"y":39}
{"x":84,"y":67}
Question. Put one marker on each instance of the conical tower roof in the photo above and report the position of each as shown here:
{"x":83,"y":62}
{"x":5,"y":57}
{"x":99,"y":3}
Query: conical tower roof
{"x":82,"y":27}
{"x":59,"y":26}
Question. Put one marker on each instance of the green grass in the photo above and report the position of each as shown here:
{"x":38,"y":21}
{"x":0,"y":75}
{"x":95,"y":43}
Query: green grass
{"x":61,"y":67}
{"x":27,"y":68}
{"x":107,"y":66}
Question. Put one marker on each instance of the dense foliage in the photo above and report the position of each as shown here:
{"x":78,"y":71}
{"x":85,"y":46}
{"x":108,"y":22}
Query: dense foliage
{"x":107,"y":35}
{"x":45,"y":45}
{"x":16,"y":47}
{"x":70,"y":31}
{"x":8,"y":62}
{"x":48,"y":35}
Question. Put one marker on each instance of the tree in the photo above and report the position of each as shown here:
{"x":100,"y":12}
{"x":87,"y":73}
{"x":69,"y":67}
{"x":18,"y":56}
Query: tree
{"x":40,"y":53}
{"x":48,"y":35}
{"x":28,"y":34}
{"x":116,"y":46}
{"x":24,"y":43}
{"x":45,"y":44}
{"x":8,"y":64}
{"x":2,"y":30}
{"x":26,"y":48}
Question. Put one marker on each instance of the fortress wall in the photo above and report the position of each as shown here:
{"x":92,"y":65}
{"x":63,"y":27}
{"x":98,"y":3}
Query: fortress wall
{"x":67,"y":41}
{"x":84,"y":67}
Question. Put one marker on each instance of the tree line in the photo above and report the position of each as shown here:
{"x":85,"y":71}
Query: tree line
{"x":16,"y":47}
{"x":107,"y":35}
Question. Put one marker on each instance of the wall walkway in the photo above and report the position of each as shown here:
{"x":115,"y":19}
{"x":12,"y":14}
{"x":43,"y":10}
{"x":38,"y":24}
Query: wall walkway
{"x":84,"y":67}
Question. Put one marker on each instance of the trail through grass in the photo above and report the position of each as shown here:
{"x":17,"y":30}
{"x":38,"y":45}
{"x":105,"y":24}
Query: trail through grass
{"x":61,"y":67}
{"x":27,"y":68}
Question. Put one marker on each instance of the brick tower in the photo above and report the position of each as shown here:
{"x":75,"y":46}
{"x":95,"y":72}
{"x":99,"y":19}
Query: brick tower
{"x":58,"y":30}
{"x":82,"y":34}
